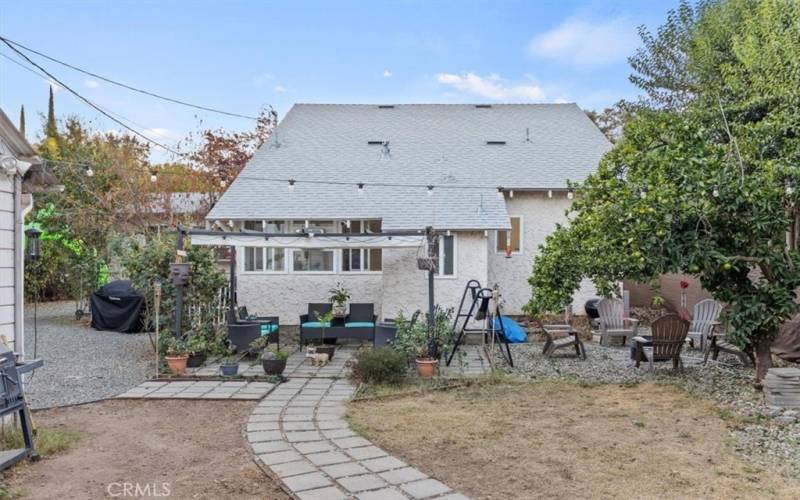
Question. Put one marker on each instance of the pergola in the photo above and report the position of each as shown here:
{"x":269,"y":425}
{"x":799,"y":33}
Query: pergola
{"x":304,"y":239}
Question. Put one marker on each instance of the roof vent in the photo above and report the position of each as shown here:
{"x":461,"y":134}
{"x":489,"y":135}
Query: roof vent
{"x":483,"y":106}
{"x":385,"y":106}
{"x":496,"y":143}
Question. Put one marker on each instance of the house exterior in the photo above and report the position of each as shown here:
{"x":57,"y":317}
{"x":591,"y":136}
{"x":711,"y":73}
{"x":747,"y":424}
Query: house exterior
{"x":490,"y":179}
{"x":21,"y":174}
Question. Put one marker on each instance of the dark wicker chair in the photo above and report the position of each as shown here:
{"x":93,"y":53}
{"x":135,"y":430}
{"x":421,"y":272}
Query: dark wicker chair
{"x":269,"y":325}
{"x":668,"y":338}
{"x":240,"y":335}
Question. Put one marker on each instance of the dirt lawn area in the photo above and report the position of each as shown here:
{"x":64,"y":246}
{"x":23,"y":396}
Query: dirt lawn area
{"x":565,"y":440}
{"x":198,"y":448}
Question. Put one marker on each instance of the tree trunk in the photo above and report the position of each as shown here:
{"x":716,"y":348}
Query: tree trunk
{"x":763,"y":358}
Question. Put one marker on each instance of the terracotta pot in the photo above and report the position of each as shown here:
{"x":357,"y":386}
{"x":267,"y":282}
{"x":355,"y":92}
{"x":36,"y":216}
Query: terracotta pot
{"x":177,"y":364}
{"x":326,"y":349}
{"x":426,"y":367}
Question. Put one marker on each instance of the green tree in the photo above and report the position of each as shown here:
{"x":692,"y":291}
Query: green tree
{"x":51,"y":138}
{"x":705,"y":181}
{"x":22,"y":120}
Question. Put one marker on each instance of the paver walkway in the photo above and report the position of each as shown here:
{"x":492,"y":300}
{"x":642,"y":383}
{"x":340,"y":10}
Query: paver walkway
{"x":204,"y":389}
{"x":299,"y":433}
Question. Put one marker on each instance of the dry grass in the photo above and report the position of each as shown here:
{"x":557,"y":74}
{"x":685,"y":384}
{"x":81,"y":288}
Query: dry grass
{"x":564,"y":440}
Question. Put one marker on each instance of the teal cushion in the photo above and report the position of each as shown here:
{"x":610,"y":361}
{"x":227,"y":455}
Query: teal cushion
{"x":315,"y":324}
{"x":270,"y":328}
{"x":359,"y":324}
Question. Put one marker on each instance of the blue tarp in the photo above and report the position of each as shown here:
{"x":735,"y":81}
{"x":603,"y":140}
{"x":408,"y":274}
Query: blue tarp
{"x":514,"y":333}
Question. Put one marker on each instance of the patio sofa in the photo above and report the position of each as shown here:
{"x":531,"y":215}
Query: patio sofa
{"x":358,"y":324}
{"x":244,"y":329}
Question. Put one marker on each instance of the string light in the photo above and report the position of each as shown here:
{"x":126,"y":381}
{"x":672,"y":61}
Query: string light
{"x":360,"y":188}
{"x":549,"y":193}
{"x":570,"y":195}
{"x":511,"y":194}
{"x":430,"y":190}
{"x":500,"y":193}
{"x":291,"y":184}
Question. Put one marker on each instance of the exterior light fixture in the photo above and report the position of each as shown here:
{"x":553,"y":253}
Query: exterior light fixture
{"x":549,"y":193}
{"x":291,"y":184}
{"x":9,"y":165}
{"x":33,"y":249}
{"x":511,"y":194}
{"x":570,"y":195}
{"x":360,"y":188}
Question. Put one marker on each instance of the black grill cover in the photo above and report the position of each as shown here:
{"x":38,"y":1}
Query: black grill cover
{"x":117,"y":307}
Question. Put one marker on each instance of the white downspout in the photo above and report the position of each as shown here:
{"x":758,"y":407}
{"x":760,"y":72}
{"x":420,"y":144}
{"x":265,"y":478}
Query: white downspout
{"x":22,"y":206}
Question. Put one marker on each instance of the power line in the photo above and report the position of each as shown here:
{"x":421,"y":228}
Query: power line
{"x":90,"y":103}
{"x":126,"y":86}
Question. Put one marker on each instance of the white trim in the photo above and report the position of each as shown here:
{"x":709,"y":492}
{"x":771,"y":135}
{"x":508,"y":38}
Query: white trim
{"x":291,"y":263}
{"x":521,"y":236}
{"x":243,"y":252}
{"x":361,"y":271}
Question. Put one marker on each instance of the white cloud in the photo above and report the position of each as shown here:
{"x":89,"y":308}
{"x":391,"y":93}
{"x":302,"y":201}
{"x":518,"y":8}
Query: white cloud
{"x":585,"y":42}
{"x":163,"y":134}
{"x":387,"y":73}
{"x":262,"y":79}
{"x":280,"y":89}
{"x":50,"y":83}
{"x":491,"y":86}
{"x":92,"y":84}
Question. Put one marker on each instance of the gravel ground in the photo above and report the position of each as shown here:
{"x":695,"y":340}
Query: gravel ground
{"x":765,"y":436}
{"x":80,"y":363}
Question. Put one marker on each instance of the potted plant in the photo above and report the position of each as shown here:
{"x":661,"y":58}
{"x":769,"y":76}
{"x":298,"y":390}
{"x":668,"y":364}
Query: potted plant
{"x":197,"y":345}
{"x":274,"y":361}
{"x":325,"y":321}
{"x":230,"y":364}
{"x":427,"y":361}
{"x":176,"y":355}
{"x":339,"y":298}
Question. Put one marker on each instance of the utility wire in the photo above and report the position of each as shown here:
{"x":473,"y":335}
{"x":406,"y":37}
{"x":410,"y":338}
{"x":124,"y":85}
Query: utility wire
{"x":126,"y":86}
{"x":90,"y":103}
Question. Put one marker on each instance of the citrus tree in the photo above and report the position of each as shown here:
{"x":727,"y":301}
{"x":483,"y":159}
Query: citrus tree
{"x":705,"y":179}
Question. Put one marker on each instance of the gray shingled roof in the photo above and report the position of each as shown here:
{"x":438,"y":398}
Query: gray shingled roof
{"x":546,"y":144}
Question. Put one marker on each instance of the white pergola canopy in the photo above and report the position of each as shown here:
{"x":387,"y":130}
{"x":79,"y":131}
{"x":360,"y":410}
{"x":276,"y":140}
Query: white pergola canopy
{"x":378,"y":240}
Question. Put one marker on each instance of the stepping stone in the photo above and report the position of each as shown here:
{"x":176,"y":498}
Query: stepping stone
{"x":306,"y":481}
{"x":384,"y":494}
{"x":351,"y":442}
{"x":366,"y":452}
{"x":299,"y":436}
{"x":314,"y":447}
{"x":262,"y":426}
{"x":338,"y":433}
{"x":255,"y":437}
{"x":299,"y":426}
{"x":383,"y":464}
{"x":327,"y":458}
{"x":425,"y":488}
{"x":330,"y":493}
{"x":279,"y":457}
{"x":293,"y":468}
{"x":355,"y":484}
{"x":404,"y":475}
{"x":344,"y":470}
{"x":270,"y":447}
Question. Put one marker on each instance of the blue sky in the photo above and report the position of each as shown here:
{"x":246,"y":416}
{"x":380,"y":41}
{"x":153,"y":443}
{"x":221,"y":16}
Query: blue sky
{"x":242,"y":55}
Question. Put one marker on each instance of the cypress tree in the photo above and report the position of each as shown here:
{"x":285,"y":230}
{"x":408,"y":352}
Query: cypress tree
{"x":22,"y":120}
{"x":51,"y":130}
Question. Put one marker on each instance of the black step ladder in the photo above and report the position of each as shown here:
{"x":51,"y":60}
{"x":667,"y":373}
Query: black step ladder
{"x":479,"y":298}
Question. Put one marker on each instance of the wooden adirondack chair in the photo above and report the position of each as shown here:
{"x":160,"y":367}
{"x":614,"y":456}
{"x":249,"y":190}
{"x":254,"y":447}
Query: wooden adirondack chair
{"x":706,"y":314}
{"x":613,"y":323}
{"x":554,"y":339}
{"x":668,"y":337}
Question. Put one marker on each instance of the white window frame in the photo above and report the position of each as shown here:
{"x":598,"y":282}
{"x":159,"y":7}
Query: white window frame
{"x":294,"y":271}
{"x":364,"y":251}
{"x":243,"y":252}
{"x":440,"y":262}
{"x":521,"y":236}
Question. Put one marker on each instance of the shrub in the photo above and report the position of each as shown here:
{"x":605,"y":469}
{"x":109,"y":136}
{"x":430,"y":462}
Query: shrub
{"x":380,"y":366}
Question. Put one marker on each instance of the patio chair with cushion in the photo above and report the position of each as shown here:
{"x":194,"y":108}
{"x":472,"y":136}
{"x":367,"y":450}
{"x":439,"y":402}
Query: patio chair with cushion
{"x":706,"y":314}
{"x":668,"y":337}
{"x":613,"y":323}
{"x":270,"y":325}
{"x":240,"y":335}
{"x":361,"y":316}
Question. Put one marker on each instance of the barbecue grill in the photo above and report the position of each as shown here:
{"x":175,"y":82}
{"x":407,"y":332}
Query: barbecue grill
{"x":12,"y":400}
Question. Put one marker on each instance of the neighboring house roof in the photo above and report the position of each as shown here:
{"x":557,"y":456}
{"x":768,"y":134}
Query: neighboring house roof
{"x":29,"y":164}
{"x":181,"y":203}
{"x":440,"y":144}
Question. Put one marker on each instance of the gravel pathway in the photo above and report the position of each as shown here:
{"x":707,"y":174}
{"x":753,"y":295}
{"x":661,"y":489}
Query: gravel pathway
{"x":764,"y":435}
{"x":81,"y":364}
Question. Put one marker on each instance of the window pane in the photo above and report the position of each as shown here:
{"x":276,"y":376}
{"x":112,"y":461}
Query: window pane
{"x":276,"y":226}
{"x":346,"y":260}
{"x":373,"y":226}
{"x":516,"y":236}
{"x":278,"y":259}
{"x":375,"y":259}
{"x":355,"y":259}
{"x":313,"y":260}
{"x":253,"y":225}
{"x":501,"y":241}
{"x":448,"y":256}
{"x":253,"y":259}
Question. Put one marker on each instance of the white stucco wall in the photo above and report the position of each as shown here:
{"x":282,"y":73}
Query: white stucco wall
{"x":401,"y":287}
{"x":540,"y":214}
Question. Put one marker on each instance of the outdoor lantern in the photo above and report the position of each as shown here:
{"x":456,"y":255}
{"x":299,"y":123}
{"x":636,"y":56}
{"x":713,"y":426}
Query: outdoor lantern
{"x":34,"y":247}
